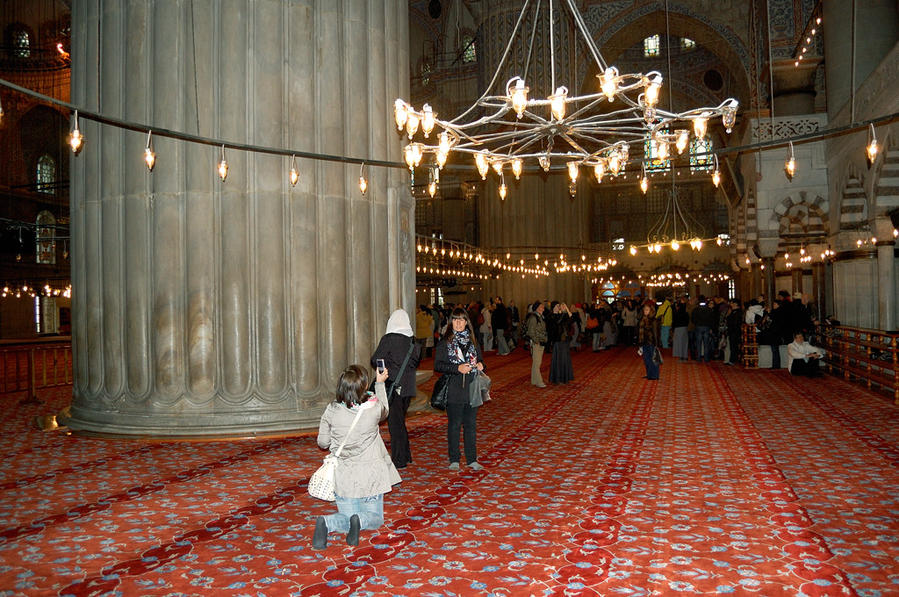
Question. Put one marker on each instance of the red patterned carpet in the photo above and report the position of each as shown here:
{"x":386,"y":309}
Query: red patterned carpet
{"x":713,"y":480}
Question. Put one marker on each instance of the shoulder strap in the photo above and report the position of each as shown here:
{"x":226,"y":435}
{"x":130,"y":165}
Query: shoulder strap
{"x":353,"y":426}
{"x":402,"y":367}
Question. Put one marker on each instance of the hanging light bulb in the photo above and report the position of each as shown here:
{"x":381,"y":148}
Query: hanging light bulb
{"x":661,"y":148}
{"x":1,"y":112}
{"x":644,"y":182}
{"x":608,"y":82}
{"x":76,"y":139}
{"x":700,"y":125}
{"x":716,"y":175}
{"x":516,"y":168}
{"x":518,"y":96}
{"x":544,"y":162}
{"x":293,"y":175}
{"x":497,"y":166}
{"x":683,"y":139}
{"x":729,"y":116}
{"x":872,"y":147}
{"x":573,"y":171}
{"x":428,"y":119}
{"x":614,"y":164}
{"x":409,"y":156}
{"x":223,"y":166}
{"x":412,"y":121}
{"x":557,"y":103}
{"x":149,"y":154}
{"x":502,"y":191}
{"x":363,"y":183}
{"x":432,"y":188}
{"x":633,"y":250}
{"x":599,"y":170}
{"x":400,"y":113}
{"x":790,"y":164}
{"x":444,"y":144}
{"x":440,"y":158}
{"x":675,"y":246}
{"x":480,"y":160}
{"x":653,"y":85}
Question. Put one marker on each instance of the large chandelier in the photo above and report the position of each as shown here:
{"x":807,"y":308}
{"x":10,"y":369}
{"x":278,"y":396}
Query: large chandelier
{"x":597,"y":130}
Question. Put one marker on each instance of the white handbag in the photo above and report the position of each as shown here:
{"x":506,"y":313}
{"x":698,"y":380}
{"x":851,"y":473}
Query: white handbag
{"x":322,"y":482}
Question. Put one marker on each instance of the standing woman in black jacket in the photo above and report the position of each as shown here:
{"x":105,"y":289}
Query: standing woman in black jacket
{"x":393,"y":348}
{"x":459,"y":357}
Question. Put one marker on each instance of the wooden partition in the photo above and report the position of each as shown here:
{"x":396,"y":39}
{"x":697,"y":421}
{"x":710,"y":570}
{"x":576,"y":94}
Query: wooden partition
{"x":30,"y":365}
{"x":862,"y":355}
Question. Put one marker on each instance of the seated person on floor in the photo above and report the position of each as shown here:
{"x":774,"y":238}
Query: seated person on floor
{"x":804,"y":358}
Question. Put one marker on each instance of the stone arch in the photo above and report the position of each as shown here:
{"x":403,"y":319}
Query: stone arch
{"x":853,"y":204}
{"x":615,"y":31}
{"x":886,"y":177}
{"x":800,"y":219}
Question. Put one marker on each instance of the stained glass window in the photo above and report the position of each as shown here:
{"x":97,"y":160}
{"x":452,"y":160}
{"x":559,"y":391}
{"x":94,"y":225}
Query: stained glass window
{"x":701,"y":163}
{"x":651,"y":46}
{"x":46,"y":242}
{"x":652,"y":161}
{"x":46,"y":174}
{"x":425,"y":73}
{"x":687,"y":44}
{"x":469,"y":51}
{"x":21,"y":44}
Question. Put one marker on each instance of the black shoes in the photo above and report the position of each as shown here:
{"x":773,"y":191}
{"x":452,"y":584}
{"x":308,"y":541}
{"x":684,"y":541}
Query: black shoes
{"x":352,"y":538}
{"x":320,"y":538}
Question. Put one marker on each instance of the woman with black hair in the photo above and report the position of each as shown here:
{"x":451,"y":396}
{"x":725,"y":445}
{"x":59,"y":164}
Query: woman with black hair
{"x":558,"y":330}
{"x":459,"y":357}
{"x":364,"y":470}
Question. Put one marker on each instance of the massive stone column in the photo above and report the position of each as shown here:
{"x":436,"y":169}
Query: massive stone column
{"x":204,"y":307}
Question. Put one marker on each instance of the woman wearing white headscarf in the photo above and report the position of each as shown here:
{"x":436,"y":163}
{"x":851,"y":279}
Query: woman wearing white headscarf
{"x":393,"y":348}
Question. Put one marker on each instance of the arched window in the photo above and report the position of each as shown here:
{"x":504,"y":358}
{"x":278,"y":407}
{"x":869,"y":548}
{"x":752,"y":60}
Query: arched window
{"x":45,"y":238}
{"x":425,"y":73}
{"x":651,"y":46}
{"x":701,"y":163}
{"x":45,"y":174}
{"x":651,"y":156}
{"x":21,"y":42}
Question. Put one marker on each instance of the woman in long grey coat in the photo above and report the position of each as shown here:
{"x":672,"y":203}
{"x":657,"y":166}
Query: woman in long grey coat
{"x":365,"y":471}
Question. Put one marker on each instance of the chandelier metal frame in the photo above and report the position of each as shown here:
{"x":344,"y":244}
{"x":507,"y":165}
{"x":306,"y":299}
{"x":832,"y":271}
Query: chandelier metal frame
{"x":515,"y":129}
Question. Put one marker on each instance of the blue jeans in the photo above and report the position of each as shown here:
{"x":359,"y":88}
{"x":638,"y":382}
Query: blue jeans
{"x":665,"y":333}
{"x":370,"y":510}
{"x":703,"y":343}
{"x":462,"y":417}
{"x":652,"y":370}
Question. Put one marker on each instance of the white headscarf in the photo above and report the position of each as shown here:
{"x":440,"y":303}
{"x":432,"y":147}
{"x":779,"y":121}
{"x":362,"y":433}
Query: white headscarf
{"x":399,"y":323}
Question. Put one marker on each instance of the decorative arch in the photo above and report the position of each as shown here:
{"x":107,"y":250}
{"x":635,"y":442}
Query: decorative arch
{"x":853,"y":204}
{"x":886,"y":179}
{"x":615,"y":29}
{"x":798,"y":218}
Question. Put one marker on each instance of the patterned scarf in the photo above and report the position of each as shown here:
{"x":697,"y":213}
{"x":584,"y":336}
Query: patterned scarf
{"x":461,"y":350}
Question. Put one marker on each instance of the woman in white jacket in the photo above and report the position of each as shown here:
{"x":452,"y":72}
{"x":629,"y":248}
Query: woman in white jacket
{"x":364,"y":471}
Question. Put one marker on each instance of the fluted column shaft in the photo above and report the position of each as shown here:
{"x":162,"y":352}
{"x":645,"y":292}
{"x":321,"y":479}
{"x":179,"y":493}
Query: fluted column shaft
{"x":208,"y":307}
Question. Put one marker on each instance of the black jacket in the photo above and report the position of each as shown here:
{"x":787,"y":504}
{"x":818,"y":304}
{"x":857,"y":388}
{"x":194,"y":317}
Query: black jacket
{"x":393,"y":348}
{"x":457,"y":384}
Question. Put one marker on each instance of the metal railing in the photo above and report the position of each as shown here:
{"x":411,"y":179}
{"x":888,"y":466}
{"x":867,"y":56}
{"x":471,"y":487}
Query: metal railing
{"x":31,"y":365}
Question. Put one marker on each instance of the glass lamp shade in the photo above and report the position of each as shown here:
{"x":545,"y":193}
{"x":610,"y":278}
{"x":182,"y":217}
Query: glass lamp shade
{"x":400,"y":113}
{"x":428,"y":119}
{"x":149,"y":158}
{"x":573,"y":171}
{"x":517,"y":167}
{"x":557,"y":103}
{"x":700,"y":126}
{"x":608,"y":82}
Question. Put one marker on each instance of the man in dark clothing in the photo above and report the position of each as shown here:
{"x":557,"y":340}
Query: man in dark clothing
{"x":705,"y":319}
{"x":734,"y":322}
{"x":500,"y":321}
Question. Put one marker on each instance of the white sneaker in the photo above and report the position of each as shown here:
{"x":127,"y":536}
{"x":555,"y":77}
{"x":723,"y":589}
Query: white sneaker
{"x":476,"y":466}
{"x":454,"y":466}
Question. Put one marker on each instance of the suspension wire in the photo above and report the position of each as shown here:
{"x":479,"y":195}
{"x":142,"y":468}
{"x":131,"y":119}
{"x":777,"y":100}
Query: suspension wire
{"x":770,"y":63}
{"x":552,"y":51}
{"x":527,"y":63}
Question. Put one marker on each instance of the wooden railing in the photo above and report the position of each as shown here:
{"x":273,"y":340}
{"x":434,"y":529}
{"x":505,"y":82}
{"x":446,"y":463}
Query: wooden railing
{"x":31,"y":365}
{"x":870,"y":357}
{"x":750,"y":357}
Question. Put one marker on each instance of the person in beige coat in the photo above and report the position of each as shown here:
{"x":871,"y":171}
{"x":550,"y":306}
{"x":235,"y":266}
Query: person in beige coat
{"x":364,"y":471}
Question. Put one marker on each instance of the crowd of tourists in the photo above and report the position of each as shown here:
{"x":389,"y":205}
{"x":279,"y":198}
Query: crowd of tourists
{"x":458,"y":336}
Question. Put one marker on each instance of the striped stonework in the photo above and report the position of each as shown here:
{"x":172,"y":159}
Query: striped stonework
{"x":854,"y":205}
{"x":887,"y":188}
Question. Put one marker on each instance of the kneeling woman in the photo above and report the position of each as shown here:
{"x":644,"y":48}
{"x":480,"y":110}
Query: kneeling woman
{"x":459,"y":357}
{"x":365,"y":471}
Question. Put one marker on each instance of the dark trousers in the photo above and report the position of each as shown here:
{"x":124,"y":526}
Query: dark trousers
{"x":652,"y":370}
{"x":734,"y":339}
{"x":775,"y":356}
{"x":462,"y":417}
{"x":691,"y":343}
{"x":809,"y":369}
{"x":400,"y":452}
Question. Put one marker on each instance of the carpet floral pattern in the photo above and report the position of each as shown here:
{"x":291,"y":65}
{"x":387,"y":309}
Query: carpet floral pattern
{"x":713,"y":480}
